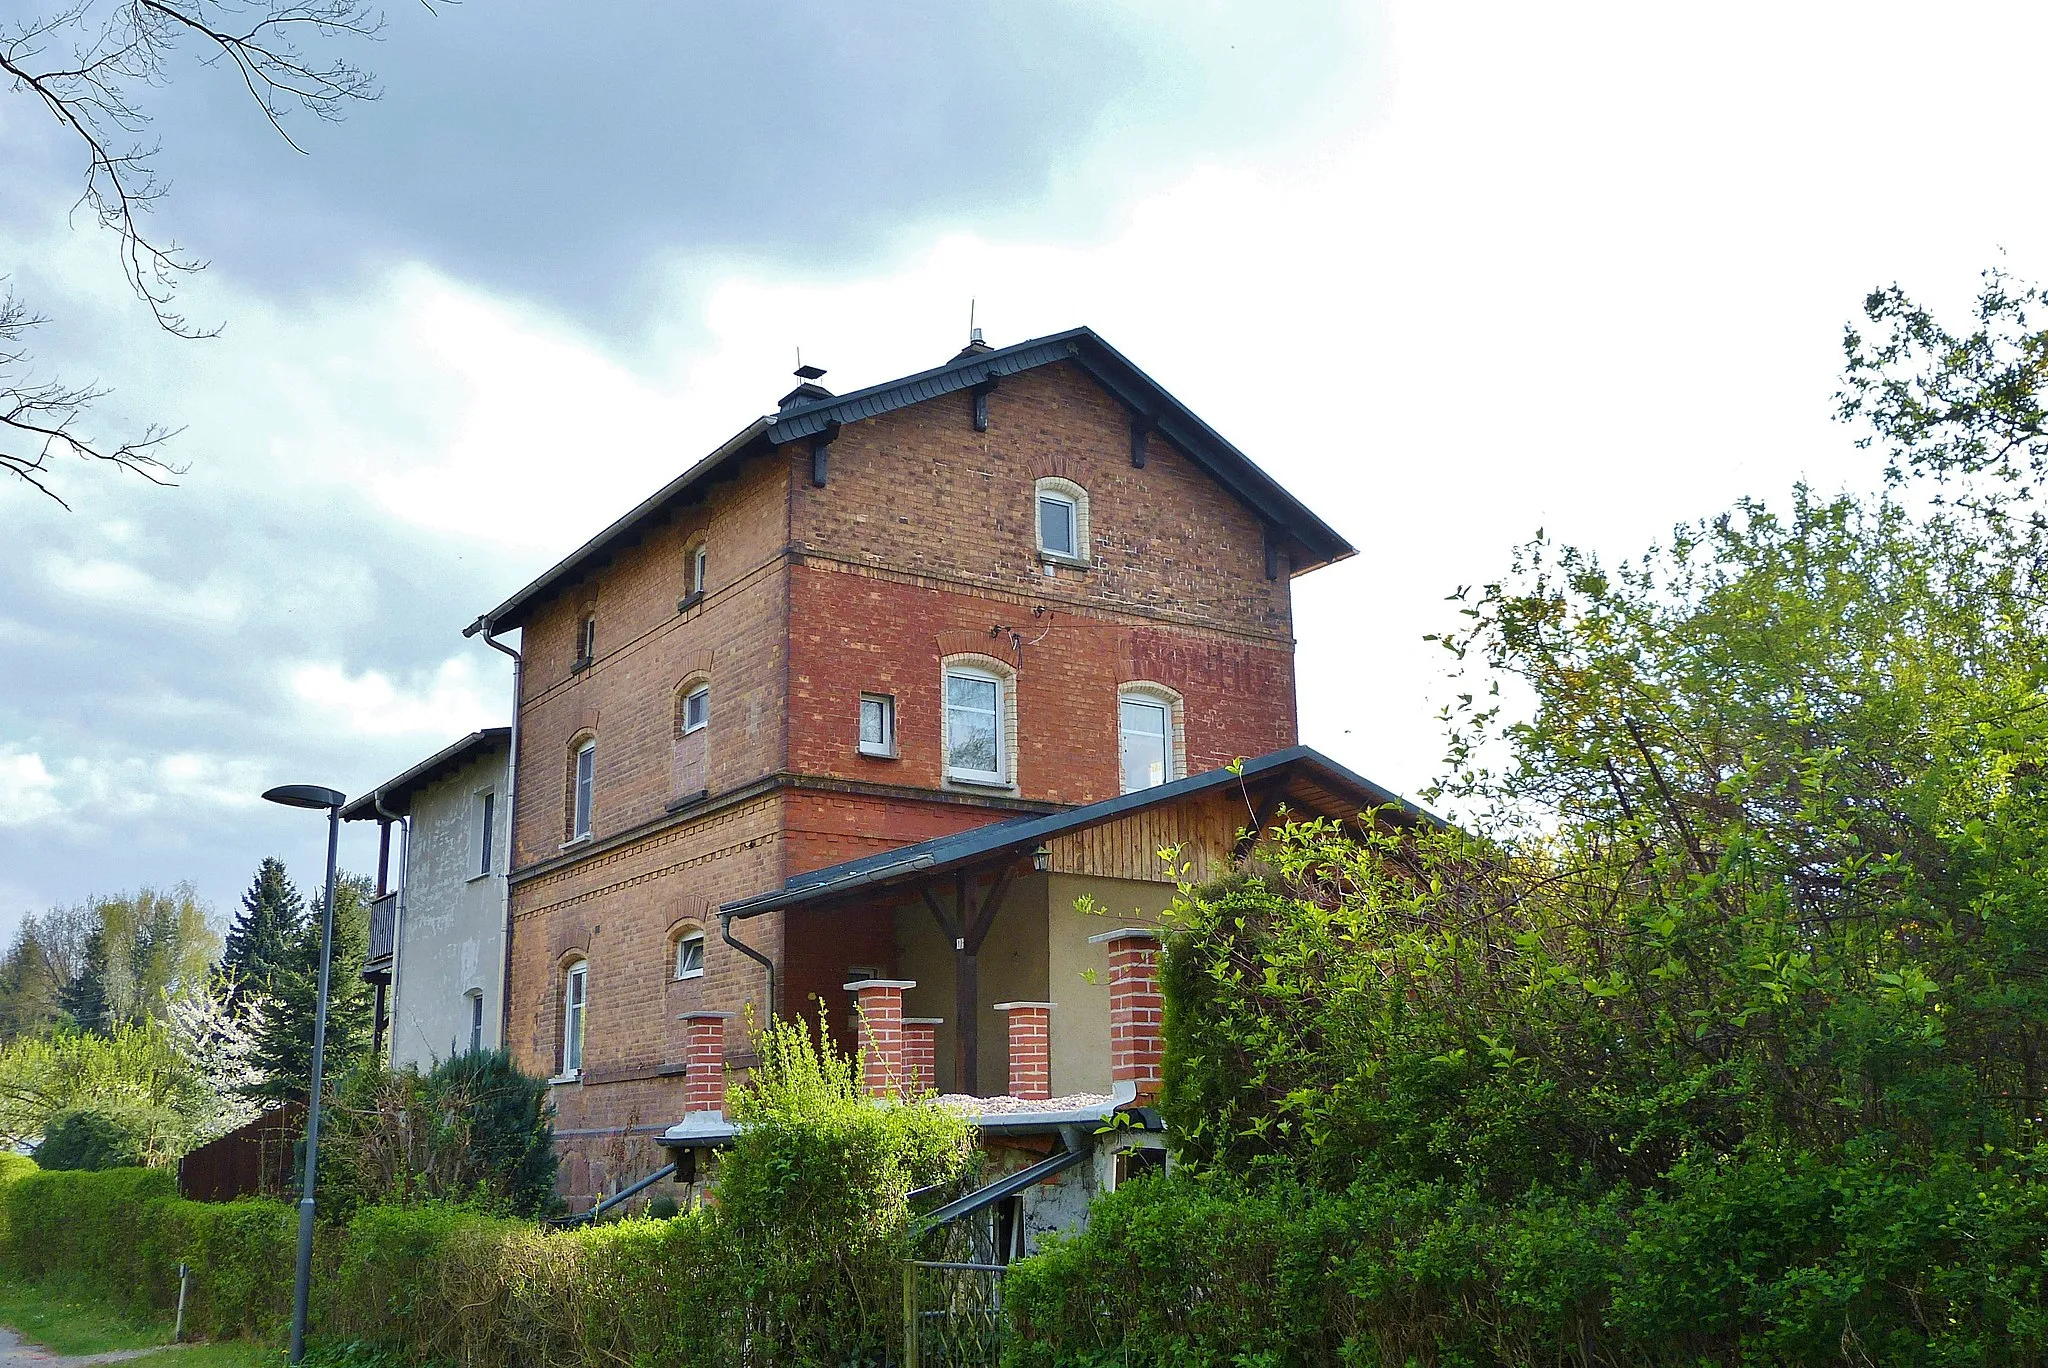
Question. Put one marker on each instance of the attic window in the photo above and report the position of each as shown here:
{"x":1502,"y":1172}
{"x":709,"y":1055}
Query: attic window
{"x":1062,"y":522}
{"x":586,"y":642}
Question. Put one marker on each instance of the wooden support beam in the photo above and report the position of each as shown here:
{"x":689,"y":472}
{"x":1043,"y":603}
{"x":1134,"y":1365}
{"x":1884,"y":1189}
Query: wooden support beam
{"x":966,"y":996}
{"x":1264,"y":809}
{"x":1272,"y":554}
{"x":821,"y":454}
{"x":1142,"y":425}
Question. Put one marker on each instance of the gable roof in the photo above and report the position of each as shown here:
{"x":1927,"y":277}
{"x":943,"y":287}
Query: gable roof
{"x":1314,"y":543}
{"x":1310,"y":781}
{"x":397,"y":792}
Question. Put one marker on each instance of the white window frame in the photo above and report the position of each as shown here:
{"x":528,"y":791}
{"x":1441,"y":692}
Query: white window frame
{"x":999,"y":776}
{"x":1156,"y":696}
{"x":700,"y":567}
{"x":689,"y":935}
{"x":475,"y":998}
{"x":575,"y":1015}
{"x":885,"y":746}
{"x":586,"y":638}
{"x":1073,"y":511}
{"x":1075,"y":497}
{"x":485,"y":859}
{"x":691,"y":704}
{"x":583,"y":791}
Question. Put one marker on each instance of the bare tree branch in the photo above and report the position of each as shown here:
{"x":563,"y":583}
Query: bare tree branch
{"x":92,"y":64}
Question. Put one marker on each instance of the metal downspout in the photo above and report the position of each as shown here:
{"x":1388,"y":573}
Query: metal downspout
{"x":511,"y":824}
{"x":767,"y":965}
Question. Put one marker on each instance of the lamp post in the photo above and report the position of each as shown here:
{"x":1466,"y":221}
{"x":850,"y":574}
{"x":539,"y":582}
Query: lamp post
{"x":313,"y":796}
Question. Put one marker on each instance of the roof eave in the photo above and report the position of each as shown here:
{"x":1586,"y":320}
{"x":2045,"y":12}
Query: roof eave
{"x":511,"y":613}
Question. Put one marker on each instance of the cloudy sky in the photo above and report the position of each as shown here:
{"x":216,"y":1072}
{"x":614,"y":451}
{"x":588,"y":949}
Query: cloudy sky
{"x":1451,"y":272}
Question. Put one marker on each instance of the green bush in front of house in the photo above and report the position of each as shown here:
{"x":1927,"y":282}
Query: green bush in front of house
{"x":1722,"y":1038}
{"x":124,"y":1232}
{"x":798,"y":1262}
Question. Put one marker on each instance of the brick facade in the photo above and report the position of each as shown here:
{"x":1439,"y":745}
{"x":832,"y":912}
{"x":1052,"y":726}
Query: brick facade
{"x":920,"y":546}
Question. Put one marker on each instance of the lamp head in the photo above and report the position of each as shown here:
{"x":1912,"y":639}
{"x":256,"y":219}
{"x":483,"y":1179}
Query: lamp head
{"x":305,"y":796}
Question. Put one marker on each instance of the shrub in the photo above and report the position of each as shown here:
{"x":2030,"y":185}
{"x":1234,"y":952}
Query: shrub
{"x":813,"y":1199}
{"x":124,"y":1232}
{"x":472,"y":1129}
{"x":92,"y":1139}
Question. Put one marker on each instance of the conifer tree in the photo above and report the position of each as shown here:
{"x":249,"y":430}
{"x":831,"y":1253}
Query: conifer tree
{"x":266,"y":930}
{"x":284,"y":1044}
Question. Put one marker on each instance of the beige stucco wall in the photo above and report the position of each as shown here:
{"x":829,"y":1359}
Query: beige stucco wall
{"x":451,"y":931}
{"x":1080,"y":1024}
{"x":1037,"y":951}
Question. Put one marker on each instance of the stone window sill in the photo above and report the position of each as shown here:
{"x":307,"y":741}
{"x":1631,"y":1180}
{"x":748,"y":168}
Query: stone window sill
{"x":561,"y":1079}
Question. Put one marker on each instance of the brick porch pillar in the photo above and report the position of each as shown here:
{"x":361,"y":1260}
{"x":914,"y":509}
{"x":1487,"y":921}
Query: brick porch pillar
{"x":1135,"y":1008}
{"x":1030,"y":1049}
{"x":880,"y":1004}
{"x":704,"y":1061}
{"x":921,"y":1053}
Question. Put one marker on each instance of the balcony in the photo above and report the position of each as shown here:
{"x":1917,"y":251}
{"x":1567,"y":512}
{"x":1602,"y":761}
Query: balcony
{"x":383,"y":939}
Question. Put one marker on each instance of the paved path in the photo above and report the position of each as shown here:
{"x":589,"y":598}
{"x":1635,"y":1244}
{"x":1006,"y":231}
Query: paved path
{"x":16,"y":1352}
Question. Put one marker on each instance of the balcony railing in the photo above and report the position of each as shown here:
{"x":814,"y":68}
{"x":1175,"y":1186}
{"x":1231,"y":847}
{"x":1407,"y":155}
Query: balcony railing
{"x":383,"y":934}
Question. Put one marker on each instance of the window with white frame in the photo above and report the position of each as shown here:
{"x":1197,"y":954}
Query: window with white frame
{"x":486,"y":831}
{"x":575,"y":1009}
{"x":586,"y":639}
{"x":689,"y":957}
{"x":877,"y":724}
{"x":974,"y":725}
{"x":582,"y":784}
{"x":1149,"y":735}
{"x":1147,"y":726}
{"x":475,"y":998}
{"x":1062,"y":520}
{"x":697,"y":709}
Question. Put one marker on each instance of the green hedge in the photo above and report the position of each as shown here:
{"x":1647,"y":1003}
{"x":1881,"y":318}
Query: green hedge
{"x":1755,"y":1259}
{"x":125,"y":1231}
{"x":796,"y":1264}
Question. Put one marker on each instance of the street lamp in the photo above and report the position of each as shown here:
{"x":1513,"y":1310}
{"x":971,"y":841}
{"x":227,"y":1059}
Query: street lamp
{"x":313,"y":796}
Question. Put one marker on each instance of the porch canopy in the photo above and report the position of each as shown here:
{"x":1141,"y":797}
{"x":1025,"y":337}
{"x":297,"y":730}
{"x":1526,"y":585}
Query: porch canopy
{"x":1004,"y":911}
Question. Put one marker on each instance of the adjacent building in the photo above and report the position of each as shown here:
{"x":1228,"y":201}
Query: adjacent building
{"x":437,"y":936}
{"x":1026,"y":583}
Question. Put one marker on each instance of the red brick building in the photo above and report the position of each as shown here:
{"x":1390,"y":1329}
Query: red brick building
{"x":1025,"y":581}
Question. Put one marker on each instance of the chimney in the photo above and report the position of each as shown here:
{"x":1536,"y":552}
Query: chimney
{"x":808,"y":390}
{"x":880,"y":1004}
{"x":704,"y":1061}
{"x":1134,"y":1013}
{"x":921,"y":1053}
{"x":1030,"y":1049}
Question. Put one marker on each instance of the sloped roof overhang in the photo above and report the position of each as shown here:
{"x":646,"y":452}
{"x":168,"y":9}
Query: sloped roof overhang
{"x":1309,"y":778}
{"x":396,"y":793}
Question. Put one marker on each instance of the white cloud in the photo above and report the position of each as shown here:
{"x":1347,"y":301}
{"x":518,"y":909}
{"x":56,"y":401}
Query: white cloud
{"x":117,"y":585}
{"x":27,"y":788}
{"x":450,"y":703}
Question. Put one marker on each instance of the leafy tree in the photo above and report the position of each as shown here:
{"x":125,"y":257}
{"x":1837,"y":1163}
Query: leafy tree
{"x":265,"y":931}
{"x":1718,"y":1034}
{"x":283,"y":1053}
{"x":134,"y":1070}
{"x":146,"y":946}
{"x":47,"y":953}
